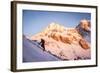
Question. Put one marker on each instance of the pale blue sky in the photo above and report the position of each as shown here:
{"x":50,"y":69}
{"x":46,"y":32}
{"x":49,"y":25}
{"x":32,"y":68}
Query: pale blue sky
{"x":36,"y":21}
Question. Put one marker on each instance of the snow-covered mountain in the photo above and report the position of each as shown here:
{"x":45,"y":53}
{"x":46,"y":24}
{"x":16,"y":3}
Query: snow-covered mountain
{"x":67,"y":43}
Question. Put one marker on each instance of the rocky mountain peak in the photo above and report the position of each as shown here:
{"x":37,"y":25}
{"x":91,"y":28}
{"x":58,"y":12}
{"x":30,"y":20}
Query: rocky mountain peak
{"x":55,"y":27}
{"x":84,"y":29}
{"x":62,"y":41}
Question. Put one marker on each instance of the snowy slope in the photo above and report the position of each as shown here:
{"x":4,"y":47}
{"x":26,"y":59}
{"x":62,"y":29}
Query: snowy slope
{"x":32,"y":52}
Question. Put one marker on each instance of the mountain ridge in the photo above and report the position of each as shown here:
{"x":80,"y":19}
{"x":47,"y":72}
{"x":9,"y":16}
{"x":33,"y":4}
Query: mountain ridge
{"x":66,"y":43}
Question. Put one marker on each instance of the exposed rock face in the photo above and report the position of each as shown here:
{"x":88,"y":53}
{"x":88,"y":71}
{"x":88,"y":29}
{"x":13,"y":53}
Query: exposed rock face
{"x":66,"y":43}
{"x":84,"y":28}
{"x":84,"y":44}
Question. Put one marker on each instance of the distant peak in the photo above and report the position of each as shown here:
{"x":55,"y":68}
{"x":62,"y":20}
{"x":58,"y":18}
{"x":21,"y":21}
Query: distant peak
{"x":54,"y":24}
{"x":84,"y":21}
{"x":84,"y":25}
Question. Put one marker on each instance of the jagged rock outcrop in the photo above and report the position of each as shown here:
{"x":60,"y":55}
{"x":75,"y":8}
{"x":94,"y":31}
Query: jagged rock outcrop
{"x":84,"y":28}
{"x":66,"y":43}
{"x":84,"y":44}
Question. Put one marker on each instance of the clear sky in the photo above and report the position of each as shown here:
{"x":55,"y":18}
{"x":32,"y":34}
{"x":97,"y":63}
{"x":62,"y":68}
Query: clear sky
{"x":36,"y":21}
